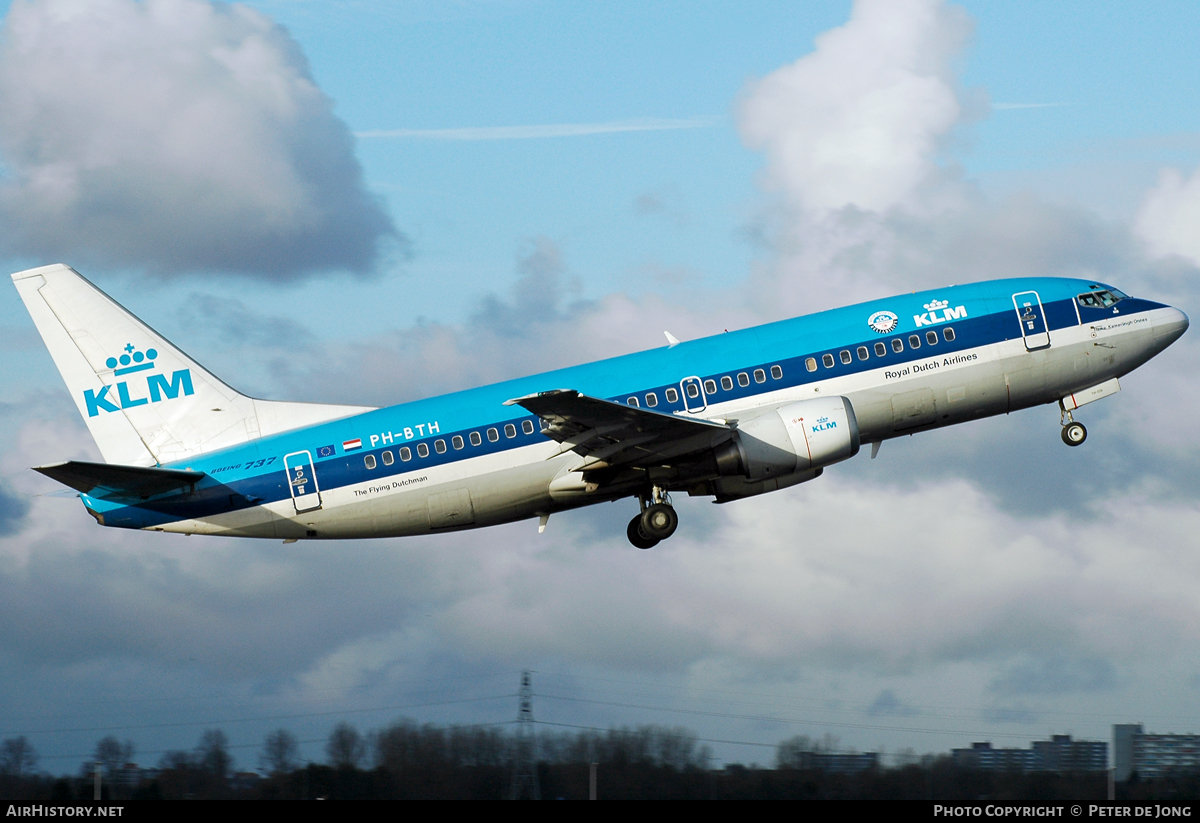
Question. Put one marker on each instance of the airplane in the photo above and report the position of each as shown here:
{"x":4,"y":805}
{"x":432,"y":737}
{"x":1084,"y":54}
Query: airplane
{"x":729,"y":416}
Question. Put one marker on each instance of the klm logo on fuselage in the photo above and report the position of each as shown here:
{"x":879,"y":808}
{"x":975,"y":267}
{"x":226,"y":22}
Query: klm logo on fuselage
{"x":128,"y":394}
{"x":931,"y":316}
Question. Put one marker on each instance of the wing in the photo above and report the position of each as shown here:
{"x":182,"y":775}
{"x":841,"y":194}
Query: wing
{"x":613,"y":435}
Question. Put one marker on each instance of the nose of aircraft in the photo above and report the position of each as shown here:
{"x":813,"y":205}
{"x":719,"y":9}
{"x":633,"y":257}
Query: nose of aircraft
{"x":1169,"y":327}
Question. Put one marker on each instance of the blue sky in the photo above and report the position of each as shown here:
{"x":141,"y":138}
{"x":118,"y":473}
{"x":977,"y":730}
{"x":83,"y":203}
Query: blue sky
{"x":946,"y":588}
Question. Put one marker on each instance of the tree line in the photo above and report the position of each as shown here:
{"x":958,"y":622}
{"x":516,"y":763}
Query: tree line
{"x":408,"y":760}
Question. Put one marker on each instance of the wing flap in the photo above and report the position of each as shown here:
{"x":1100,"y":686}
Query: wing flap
{"x":615,"y":434}
{"x":133,"y":481}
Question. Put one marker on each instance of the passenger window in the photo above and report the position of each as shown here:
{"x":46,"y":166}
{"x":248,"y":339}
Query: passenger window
{"x":727,"y":383}
{"x":422,"y":450}
{"x":387,"y":458}
{"x":914,"y":341}
{"x":527,"y":426}
{"x":760,"y":376}
{"x":440,"y":446}
{"x":672,"y":395}
{"x":457,"y":442}
{"x":651,"y":399}
{"x":631,"y":401}
{"x":710,"y":387}
{"x":693,"y":391}
{"x":948,"y":333}
{"x":493,"y":435}
{"x":510,"y":430}
{"x":776,"y":373}
{"x":827,"y":359}
{"x":897,"y":345}
{"x":811,"y":364}
{"x":370,"y":461}
{"x":405,"y":453}
{"x":845,"y":355}
{"x":475,"y":438}
{"x":931,"y":338}
{"x":880,"y":349}
{"x":743,"y":379}
{"x":863,"y":354}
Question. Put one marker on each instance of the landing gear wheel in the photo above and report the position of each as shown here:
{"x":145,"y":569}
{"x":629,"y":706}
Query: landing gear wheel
{"x":1073,"y":434}
{"x":659,"y":521}
{"x":636,"y":537}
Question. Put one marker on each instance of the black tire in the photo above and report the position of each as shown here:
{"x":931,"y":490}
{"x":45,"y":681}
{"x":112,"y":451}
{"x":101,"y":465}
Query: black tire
{"x":1073,"y":434}
{"x":659,"y":521}
{"x":636,"y":537}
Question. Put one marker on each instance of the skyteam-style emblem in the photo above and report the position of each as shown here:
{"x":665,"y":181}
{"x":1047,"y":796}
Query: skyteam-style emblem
{"x":883,"y":322}
{"x":132,"y":393}
{"x":931,"y":316}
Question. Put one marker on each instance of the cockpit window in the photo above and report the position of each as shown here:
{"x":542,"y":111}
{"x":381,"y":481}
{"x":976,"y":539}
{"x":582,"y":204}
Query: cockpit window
{"x":1101,"y":299}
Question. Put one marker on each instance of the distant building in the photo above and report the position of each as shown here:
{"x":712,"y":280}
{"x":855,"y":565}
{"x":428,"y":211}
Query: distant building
{"x":1058,"y":754}
{"x":1062,"y":754}
{"x":983,"y":757}
{"x":836,"y":763}
{"x":1152,"y":755}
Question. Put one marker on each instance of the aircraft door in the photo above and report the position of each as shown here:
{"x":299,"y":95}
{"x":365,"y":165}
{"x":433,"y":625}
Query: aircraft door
{"x":302,"y":481}
{"x":692,"y":389}
{"x":1033,"y":320}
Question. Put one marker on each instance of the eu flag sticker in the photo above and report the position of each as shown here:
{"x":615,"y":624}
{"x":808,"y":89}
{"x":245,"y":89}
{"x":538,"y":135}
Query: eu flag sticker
{"x":326,"y":451}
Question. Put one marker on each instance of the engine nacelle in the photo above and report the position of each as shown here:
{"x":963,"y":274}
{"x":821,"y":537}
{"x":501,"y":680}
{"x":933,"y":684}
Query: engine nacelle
{"x":795,"y":438}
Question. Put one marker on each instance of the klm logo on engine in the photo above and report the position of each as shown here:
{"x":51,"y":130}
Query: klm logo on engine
{"x":133,"y":392}
{"x":824,"y":424}
{"x":931,"y":316}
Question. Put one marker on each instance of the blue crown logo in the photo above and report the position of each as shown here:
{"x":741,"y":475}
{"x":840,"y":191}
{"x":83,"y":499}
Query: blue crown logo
{"x":132,"y":360}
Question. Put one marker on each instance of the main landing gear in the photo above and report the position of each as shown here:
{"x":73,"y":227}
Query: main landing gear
{"x":1073,"y":434}
{"x":656,"y":522}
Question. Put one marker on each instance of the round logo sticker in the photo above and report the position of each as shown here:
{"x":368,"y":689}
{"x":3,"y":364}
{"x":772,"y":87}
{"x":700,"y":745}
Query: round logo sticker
{"x":883,"y":322}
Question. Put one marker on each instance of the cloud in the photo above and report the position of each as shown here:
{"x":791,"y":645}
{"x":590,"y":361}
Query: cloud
{"x":886,"y":704}
{"x":1169,"y":215}
{"x":539,"y":325}
{"x":860,"y":120}
{"x":175,"y":136}
{"x":12,"y":511}
{"x":543,"y":131}
{"x":1056,"y":675}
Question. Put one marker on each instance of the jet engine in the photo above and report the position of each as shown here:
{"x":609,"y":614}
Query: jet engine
{"x":795,"y":438}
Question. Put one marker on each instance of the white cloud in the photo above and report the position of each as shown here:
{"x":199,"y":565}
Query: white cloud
{"x":1169,"y":215}
{"x":174,"y":135}
{"x":859,"y":121}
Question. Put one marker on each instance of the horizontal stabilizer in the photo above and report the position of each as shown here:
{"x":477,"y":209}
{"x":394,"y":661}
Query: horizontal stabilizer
{"x":134,"y":481}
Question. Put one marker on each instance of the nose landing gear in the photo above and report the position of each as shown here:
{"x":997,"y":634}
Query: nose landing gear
{"x":656,"y":522}
{"x":1073,"y":433}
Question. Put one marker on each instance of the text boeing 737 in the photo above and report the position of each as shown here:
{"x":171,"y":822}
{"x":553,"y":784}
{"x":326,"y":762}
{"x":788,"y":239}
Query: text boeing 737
{"x":729,"y":416}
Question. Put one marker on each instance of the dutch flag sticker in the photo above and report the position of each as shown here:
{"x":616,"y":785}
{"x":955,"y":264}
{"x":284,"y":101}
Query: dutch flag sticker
{"x":351,"y":445}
